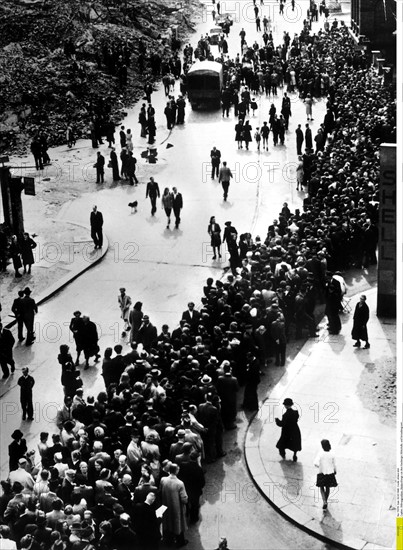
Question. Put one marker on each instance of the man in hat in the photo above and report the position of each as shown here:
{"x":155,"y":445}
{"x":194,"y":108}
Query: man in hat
{"x":76,"y":327}
{"x":16,"y":308}
{"x":215,"y":156}
{"x":28,"y":311}
{"x":177,"y":205}
{"x":290,"y":433}
{"x":124,"y":303}
{"x":7,"y":341}
{"x":229,"y":232}
{"x":17,"y":449}
{"x":26,"y":383}
{"x":90,"y":340}
{"x":96,"y":223}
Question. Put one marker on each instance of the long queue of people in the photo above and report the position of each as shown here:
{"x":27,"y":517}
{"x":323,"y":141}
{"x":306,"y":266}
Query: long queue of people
{"x":144,"y":442}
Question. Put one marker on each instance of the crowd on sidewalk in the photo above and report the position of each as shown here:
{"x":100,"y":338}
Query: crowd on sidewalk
{"x":145,"y":440}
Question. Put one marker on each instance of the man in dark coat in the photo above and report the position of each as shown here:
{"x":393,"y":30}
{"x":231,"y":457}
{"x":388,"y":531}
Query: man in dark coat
{"x":96,"y":223}
{"x":122,"y":135}
{"x":300,"y":139}
{"x":227,"y":388}
{"x":36,"y":150}
{"x":146,"y":523}
{"x":286,"y":109}
{"x":192,"y":476}
{"x":208,"y":417}
{"x":89,"y":336}
{"x":290,"y":434}
{"x":26,"y":383}
{"x":191,"y":316}
{"x":308,"y":138}
{"x":153,"y":191}
{"x":361,"y":317}
{"x":100,"y":165}
{"x":7,"y":342}
{"x":131,"y":169}
{"x":177,"y":204}
{"x":147,"y":334}
{"x":28,"y":310}
{"x":215,"y":156}
{"x":76,"y":325}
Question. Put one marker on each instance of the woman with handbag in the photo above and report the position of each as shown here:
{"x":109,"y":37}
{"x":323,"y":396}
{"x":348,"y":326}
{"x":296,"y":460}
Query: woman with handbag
{"x":326,"y":477}
{"x":214,"y":230}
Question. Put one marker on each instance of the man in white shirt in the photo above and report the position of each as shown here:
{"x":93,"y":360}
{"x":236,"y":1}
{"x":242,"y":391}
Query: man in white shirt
{"x":22,"y":476}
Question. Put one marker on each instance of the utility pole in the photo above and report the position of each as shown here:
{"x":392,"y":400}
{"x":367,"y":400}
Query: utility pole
{"x":11,"y":188}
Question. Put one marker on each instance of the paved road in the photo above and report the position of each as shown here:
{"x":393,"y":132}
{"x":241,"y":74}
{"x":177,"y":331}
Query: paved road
{"x":164,"y":269}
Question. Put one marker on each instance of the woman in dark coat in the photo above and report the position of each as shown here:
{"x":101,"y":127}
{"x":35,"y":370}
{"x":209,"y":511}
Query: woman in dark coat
{"x":135,"y":319}
{"x":239,"y":133}
{"x":214,"y":230}
{"x":27,"y":245}
{"x":247,"y":133}
{"x":15,"y":254}
{"x":17,"y":449}
{"x":114,"y":165}
{"x":250,"y":399}
{"x":361,"y":316}
{"x":290,"y":434}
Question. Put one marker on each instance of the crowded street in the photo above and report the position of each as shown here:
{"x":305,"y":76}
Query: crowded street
{"x":164,"y":264}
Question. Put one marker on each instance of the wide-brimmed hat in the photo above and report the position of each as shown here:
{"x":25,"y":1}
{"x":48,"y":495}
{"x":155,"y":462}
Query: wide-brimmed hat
{"x":27,"y":290}
{"x":288,"y":402}
{"x":17,"y":434}
{"x":206,"y":379}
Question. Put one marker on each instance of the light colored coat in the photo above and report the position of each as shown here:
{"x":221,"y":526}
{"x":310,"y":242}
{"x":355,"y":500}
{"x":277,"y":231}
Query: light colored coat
{"x":174,"y":496}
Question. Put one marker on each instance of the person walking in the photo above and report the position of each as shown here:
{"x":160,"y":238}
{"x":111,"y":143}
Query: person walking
{"x":286,"y":109}
{"x":299,"y":135}
{"x":247,"y":134}
{"x":15,"y":254}
{"x":153,"y":191}
{"x":143,"y":120}
{"x":308,"y":106}
{"x":100,"y":167}
{"x":300,"y":173}
{"x":215,"y":156}
{"x":326,"y":478}
{"x":239,"y":136}
{"x":124,"y":303}
{"x":177,"y":205}
{"x":75,"y":326}
{"x":167,"y":204}
{"x":361,"y":317}
{"x":122,"y":137}
{"x":131,"y":168}
{"x":135,"y":320}
{"x":265,"y":131}
{"x":224,"y":177}
{"x":96,"y":223}
{"x":7,"y":342}
{"x":36,"y":150}
{"x":16,"y":308}
{"x":89,"y":336}
{"x":28,"y":311}
{"x":290,"y":433}
{"x":214,"y":230}
{"x":113,"y":163}
{"x":174,"y":497}
{"x":258,"y":139}
{"x":26,"y":383}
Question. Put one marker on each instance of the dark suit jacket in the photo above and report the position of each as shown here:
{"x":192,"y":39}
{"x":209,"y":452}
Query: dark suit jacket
{"x":177,"y":201}
{"x":192,"y":321}
{"x":96,"y":220}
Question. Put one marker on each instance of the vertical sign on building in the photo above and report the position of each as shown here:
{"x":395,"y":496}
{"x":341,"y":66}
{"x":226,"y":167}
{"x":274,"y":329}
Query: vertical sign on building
{"x":386,"y":306}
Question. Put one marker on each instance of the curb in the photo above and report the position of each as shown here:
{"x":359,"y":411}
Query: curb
{"x":285,"y":507}
{"x":67,"y":279}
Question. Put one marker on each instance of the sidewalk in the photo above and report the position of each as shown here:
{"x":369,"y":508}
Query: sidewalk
{"x":64,"y":251}
{"x":346,"y":395}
